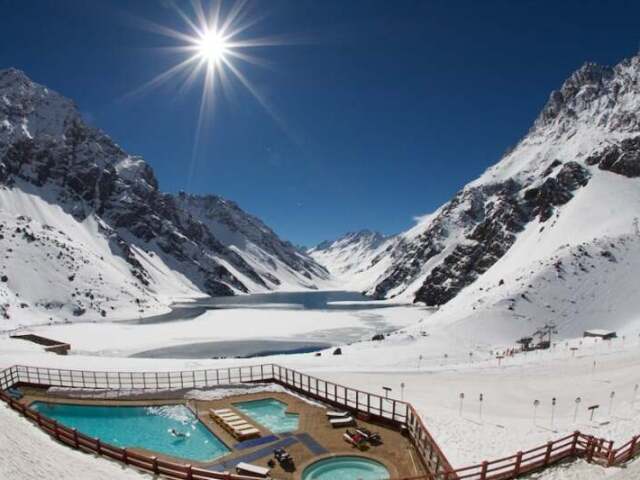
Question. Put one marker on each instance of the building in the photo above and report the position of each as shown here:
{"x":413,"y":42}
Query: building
{"x":599,"y":333}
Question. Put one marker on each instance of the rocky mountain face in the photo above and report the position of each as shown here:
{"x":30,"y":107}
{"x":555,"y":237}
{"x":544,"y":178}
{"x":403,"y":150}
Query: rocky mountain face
{"x":254,"y":241}
{"x":46,"y":149}
{"x":584,"y":144}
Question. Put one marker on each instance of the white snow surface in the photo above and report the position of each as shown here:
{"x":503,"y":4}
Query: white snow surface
{"x":27,"y":453}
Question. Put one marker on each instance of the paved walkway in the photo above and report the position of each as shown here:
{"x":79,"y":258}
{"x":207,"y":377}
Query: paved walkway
{"x":229,"y":465}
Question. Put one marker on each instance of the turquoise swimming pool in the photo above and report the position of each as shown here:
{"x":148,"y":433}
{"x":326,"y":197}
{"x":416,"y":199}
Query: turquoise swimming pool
{"x":346,"y":468}
{"x":141,"y":427}
{"x":271,"y":414}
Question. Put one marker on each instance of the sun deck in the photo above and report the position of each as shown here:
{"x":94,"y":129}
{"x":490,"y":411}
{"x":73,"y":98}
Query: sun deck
{"x":314,"y":438}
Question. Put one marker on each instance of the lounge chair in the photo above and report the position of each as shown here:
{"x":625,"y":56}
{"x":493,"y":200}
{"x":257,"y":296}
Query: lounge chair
{"x":232,"y":418}
{"x":333,"y":414}
{"x":247,"y":468}
{"x":246,"y":434}
{"x":221,"y":411}
{"x":372,"y":437}
{"x":15,"y":393}
{"x":226,"y":415}
{"x":237,"y":423}
{"x":342,"y":422}
{"x":355,"y":439}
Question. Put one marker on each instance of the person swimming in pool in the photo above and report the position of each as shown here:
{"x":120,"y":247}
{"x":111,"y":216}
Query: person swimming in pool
{"x":177,"y":434}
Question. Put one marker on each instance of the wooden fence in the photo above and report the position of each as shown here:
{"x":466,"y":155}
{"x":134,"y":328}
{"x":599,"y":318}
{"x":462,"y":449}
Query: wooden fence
{"x":574,"y":446}
{"x":395,"y":413}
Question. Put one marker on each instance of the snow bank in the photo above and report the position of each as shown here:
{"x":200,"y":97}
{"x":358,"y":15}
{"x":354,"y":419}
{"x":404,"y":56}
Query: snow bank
{"x":27,"y":453}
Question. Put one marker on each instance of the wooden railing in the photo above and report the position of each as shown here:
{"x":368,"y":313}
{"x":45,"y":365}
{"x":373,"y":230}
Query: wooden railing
{"x":75,"y":439}
{"x":396,"y":413}
{"x":574,"y":446}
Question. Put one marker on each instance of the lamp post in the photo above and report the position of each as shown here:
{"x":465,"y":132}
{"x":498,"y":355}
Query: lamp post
{"x":480,"y":409}
{"x":536,"y":404}
{"x":612,"y":395}
{"x":402,"y":391}
{"x":575,"y":412}
{"x":461,"y":402}
{"x":553,"y":411}
{"x":386,"y":391}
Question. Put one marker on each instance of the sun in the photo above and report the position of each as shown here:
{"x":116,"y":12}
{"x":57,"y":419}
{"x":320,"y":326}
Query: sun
{"x":213,"y":47}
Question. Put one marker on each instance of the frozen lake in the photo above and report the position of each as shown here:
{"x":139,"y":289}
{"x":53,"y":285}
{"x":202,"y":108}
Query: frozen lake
{"x":318,"y":300}
{"x":241,"y":326}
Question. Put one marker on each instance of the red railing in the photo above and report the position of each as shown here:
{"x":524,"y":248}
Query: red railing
{"x":397,"y":413}
{"x":75,"y":439}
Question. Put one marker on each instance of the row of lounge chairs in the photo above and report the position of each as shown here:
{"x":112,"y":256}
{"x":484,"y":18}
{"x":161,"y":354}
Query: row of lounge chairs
{"x":360,"y":437}
{"x":234,"y":424}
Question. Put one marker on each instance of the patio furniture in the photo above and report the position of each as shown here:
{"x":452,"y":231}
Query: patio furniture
{"x":356,"y":439}
{"x":342,"y":422}
{"x":372,"y":437}
{"x":247,"y":468}
{"x":334,"y":414}
{"x":283,"y":457}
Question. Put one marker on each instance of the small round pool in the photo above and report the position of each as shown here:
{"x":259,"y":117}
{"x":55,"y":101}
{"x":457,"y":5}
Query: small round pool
{"x":345,"y":468}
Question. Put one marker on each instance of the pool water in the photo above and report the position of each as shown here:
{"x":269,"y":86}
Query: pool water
{"x":141,"y":427}
{"x":345,"y":468}
{"x":271,"y":414}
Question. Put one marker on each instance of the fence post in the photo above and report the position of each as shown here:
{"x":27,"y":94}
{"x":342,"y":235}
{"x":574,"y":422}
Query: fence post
{"x":154,"y":465}
{"x":611,"y":455}
{"x":632,"y":447}
{"x":98,"y":446}
{"x":75,"y":437}
{"x":125,"y":456}
{"x":189,"y":472}
{"x":574,"y":443}
{"x":547,"y":455}
{"x":56,"y":433}
{"x":483,"y":472}
{"x":516,"y":468}
{"x":590,"y":448}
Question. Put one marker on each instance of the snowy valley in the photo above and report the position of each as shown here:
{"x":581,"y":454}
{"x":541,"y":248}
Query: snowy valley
{"x":548,"y":235}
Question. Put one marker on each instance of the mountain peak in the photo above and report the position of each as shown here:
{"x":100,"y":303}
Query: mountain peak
{"x":365,"y":236}
{"x":594,"y":88}
{"x":13,"y":75}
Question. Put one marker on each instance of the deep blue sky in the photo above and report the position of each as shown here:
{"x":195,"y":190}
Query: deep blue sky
{"x":390,"y":106}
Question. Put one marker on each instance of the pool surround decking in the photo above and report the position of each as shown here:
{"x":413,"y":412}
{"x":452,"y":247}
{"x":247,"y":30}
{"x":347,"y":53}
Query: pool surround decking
{"x":313,"y":436}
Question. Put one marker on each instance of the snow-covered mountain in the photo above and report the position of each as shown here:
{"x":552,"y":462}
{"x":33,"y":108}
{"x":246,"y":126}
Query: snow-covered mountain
{"x":85,"y":230}
{"x":573,"y":180}
{"x":355,"y":258}
{"x":278,"y":261}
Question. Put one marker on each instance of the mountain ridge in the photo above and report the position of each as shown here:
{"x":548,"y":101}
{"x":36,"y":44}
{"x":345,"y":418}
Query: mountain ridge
{"x":589,"y":128}
{"x":50,"y":153}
